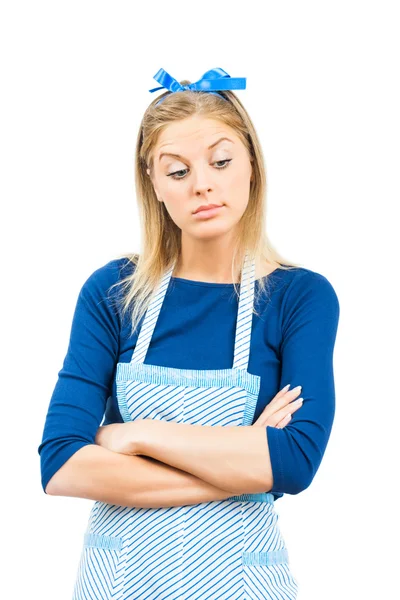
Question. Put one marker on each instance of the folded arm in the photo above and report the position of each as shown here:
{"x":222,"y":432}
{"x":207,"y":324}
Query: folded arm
{"x":95,"y":473}
{"x":232,"y":458}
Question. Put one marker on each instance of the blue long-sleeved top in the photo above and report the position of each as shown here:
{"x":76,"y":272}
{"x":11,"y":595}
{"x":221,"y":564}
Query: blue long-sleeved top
{"x":292,"y":342}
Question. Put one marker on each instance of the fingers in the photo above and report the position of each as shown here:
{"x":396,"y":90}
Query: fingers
{"x":282,"y":405}
{"x":284,"y":422}
{"x":289,"y":394}
{"x":283,"y":398}
{"x":283,"y":416}
{"x":283,"y":391}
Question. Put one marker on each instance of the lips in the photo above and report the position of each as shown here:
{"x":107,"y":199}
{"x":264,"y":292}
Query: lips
{"x":206,"y":207}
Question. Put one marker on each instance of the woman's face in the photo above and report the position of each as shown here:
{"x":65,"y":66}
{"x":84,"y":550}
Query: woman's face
{"x":192,"y":167}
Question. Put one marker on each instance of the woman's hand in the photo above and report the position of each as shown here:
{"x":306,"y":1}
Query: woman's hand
{"x":120,"y":437}
{"x":279,"y":411}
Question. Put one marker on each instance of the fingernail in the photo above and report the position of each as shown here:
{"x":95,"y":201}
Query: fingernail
{"x":286,"y":387}
{"x":297,"y":389}
{"x":298,"y":401}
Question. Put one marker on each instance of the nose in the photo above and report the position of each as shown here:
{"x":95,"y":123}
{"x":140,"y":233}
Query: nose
{"x":201,"y":190}
{"x":201,"y":182}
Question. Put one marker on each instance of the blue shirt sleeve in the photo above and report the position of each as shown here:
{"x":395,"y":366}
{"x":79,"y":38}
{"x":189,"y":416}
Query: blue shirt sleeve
{"x":309,"y":316}
{"x":84,"y":383}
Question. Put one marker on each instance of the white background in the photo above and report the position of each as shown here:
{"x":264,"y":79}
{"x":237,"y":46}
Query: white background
{"x":322,"y":90}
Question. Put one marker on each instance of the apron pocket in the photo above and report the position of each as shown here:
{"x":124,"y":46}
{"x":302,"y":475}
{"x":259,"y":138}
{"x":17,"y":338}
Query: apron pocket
{"x":95,"y":540}
{"x":97,"y":570}
{"x":267,"y":574}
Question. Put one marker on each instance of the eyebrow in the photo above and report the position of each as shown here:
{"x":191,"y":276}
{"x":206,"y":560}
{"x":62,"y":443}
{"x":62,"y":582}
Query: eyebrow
{"x":209,"y":148}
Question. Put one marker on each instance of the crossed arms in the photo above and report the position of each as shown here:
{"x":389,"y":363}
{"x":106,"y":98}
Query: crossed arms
{"x":182,"y":464}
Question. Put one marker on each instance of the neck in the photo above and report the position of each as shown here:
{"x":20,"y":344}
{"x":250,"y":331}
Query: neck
{"x":206,"y":260}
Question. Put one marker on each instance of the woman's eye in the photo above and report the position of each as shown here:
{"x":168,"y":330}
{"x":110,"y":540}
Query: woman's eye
{"x":175,"y":174}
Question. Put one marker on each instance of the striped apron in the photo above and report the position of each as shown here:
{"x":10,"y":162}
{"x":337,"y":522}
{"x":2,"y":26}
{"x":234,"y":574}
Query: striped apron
{"x":219,"y":550}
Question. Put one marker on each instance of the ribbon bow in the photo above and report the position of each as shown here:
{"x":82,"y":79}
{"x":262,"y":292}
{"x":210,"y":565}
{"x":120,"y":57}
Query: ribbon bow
{"x":214,"y":79}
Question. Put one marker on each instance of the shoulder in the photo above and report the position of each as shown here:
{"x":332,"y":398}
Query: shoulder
{"x":307,"y":295}
{"x":101,"y":291}
{"x":301,"y":279}
{"x":311,"y":284}
{"x":102,"y":279}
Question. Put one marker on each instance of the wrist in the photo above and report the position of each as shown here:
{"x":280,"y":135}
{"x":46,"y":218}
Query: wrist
{"x":141,"y":436}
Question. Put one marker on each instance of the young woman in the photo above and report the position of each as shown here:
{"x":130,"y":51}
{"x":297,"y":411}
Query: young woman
{"x":194,"y":352}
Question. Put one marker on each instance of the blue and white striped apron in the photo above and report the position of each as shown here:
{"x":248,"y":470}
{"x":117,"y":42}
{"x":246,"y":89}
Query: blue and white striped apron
{"x":219,"y":550}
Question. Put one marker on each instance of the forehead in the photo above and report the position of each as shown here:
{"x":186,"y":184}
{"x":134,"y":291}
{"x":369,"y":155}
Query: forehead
{"x":196,"y":130}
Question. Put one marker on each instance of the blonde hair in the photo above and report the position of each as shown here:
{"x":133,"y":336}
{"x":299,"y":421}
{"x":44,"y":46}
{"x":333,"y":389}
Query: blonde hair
{"x":160,"y":236}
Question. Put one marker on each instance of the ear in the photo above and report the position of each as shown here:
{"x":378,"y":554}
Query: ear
{"x":154,"y":187}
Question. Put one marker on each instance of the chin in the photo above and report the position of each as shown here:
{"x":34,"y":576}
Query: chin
{"x":209,"y":231}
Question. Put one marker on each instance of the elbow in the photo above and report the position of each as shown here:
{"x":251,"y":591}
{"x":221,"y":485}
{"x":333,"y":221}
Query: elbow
{"x":57,"y":469}
{"x":297,"y":487}
{"x":53,"y":488}
{"x":57,"y":484}
{"x":298,"y":479}
{"x":295,"y":459}
{"x":291,"y":485}
{"x":49,"y":489}
{"x":303,"y":470}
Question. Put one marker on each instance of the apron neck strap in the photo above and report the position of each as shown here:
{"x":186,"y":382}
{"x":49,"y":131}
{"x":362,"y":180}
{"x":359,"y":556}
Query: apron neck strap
{"x":243,"y":321}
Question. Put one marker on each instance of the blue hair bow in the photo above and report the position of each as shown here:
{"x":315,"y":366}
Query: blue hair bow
{"x":214,"y":79}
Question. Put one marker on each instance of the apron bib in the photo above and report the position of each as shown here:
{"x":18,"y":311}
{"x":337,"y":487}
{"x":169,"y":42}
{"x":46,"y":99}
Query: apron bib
{"x":220,"y":550}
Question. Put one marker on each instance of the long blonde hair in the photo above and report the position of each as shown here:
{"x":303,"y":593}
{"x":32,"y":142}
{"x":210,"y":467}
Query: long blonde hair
{"x":160,"y":236}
